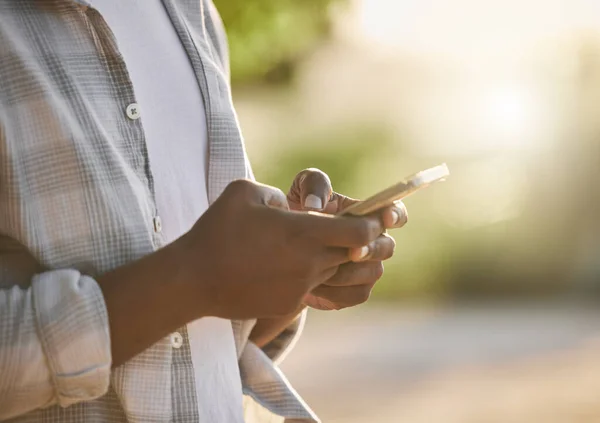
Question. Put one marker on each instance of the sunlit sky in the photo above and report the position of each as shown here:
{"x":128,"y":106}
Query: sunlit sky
{"x":491,"y":46}
{"x":467,"y":28}
{"x":486,"y":94}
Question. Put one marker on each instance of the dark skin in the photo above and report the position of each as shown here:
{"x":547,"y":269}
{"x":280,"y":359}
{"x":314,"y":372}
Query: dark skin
{"x":246,"y":257}
{"x":283,"y":260}
{"x":353,"y":281}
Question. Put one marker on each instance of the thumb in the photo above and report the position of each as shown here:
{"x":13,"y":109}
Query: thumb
{"x":272,"y":197}
{"x":311,"y":190}
{"x":258,"y":193}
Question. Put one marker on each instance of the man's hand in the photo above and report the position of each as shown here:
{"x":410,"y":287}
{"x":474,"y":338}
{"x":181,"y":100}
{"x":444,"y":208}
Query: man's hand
{"x":353,"y":282}
{"x":247,"y":257}
{"x":251,"y":257}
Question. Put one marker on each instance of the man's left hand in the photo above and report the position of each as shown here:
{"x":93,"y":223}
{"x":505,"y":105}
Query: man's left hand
{"x":352,"y":283}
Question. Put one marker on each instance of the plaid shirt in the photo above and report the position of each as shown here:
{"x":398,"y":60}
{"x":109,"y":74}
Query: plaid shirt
{"x":76,"y":190}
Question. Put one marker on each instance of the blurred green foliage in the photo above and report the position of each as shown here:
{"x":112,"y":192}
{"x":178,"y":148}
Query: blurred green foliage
{"x":341,"y":153}
{"x":267,"y":37}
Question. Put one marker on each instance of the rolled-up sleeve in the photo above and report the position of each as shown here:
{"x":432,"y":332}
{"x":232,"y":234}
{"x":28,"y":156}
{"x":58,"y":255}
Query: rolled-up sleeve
{"x":54,"y":343}
{"x":269,"y":395}
{"x":279,"y":347}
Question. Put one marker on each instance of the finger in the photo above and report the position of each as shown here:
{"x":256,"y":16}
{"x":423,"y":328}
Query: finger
{"x":319,"y":303}
{"x":258,"y":193}
{"x":321,"y":277}
{"x":337,"y":203}
{"x":311,"y":190}
{"x":338,"y":231}
{"x":334,"y":256}
{"x":342,"y":297}
{"x":380,"y":249}
{"x":395,"y":216}
{"x":351,"y":274}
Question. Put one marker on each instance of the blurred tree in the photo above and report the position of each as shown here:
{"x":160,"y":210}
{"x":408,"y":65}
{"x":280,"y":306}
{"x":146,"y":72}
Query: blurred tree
{"x":268,"y":37}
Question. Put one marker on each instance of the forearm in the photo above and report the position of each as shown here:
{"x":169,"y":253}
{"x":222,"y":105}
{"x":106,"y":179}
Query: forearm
{"x":147,"y":300}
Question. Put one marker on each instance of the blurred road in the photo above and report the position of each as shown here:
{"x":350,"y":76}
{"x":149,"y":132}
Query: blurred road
{"x":518,"y":363}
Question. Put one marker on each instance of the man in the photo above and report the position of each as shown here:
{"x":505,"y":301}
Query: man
{"x":118,"y":302}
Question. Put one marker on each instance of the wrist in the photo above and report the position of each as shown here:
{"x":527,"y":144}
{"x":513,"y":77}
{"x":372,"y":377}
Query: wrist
{"x":193,"y":278}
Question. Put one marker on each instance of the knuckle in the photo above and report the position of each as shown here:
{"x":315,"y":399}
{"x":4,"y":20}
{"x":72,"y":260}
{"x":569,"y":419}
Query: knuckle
{"x":364,"y":232}
{"x":307,"y":175}
{"x":376,"y":249}
{"x":276,"y":198}
{"x":377,"y":271}
{"x":239,"y":186}
{"x":390,"y":248}
{"x":302,"y":175}
{"x":278,"y":192}
{"x":364,"y":294}
{"x":314,"y":172}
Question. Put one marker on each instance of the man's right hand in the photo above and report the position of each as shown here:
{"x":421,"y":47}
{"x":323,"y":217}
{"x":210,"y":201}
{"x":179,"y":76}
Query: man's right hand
{"x":249,"y":256}
{"x":246,"y":257}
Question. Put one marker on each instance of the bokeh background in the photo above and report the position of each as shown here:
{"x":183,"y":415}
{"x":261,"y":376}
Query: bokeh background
{"x":489,"y":312}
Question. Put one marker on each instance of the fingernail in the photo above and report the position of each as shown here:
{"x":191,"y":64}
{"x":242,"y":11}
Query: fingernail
{"x":313,"y":202}
{"x":395,"y":217}
{"x":364,"y":252}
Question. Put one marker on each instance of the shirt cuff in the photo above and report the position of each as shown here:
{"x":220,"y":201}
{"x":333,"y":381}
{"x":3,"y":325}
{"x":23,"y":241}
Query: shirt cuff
{"x":269,"y":395}
{"x":72,"y":324}
{"x":279,"y":347}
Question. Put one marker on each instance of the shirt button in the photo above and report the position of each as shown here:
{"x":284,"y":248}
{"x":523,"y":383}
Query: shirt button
{"x":133,"y":111}
{"x":176,"y":340}
{"x":157,"y":224}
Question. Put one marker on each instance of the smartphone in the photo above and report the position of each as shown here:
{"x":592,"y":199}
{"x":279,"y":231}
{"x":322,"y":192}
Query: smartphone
{"x":402,"y":189}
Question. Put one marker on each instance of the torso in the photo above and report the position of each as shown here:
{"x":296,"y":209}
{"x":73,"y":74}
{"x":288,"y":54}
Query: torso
{"x":174,"y":118}
{"x":82,"y":184}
